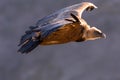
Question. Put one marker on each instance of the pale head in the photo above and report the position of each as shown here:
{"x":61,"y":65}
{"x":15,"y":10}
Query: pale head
{"x":94,"y":33}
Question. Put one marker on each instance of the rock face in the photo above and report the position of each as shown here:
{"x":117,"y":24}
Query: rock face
{"x":92,"y":60}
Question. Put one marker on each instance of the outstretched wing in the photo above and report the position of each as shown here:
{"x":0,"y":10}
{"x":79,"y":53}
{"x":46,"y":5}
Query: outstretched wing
{"x":56,"y":20}
{"x":59,"y":16}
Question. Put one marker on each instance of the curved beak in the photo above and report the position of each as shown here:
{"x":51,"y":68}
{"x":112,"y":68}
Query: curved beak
{"x":103,"y":35}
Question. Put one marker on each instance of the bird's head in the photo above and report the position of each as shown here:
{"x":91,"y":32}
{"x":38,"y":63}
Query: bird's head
{"x":94,"y":33}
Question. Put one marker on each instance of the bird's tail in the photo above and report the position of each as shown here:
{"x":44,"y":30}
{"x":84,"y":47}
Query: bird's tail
{"x":29,"y":41}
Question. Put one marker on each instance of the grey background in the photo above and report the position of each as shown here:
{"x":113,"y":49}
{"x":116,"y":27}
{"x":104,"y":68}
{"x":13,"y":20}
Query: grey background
{"x":92,"y":60}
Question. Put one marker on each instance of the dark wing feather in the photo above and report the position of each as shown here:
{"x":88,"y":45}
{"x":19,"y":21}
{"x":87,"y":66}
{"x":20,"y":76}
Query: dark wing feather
{"x":75,"y":17}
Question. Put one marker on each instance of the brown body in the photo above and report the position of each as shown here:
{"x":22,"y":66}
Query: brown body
{"x":67,"y":33}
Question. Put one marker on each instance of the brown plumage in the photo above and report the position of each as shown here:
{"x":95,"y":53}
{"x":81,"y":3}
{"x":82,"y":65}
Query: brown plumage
{"x":65,"y":25}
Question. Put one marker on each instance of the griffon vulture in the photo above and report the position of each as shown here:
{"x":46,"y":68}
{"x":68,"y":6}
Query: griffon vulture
{"x":63,"y":26}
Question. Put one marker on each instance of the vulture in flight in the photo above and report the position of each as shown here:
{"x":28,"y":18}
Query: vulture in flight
{"x":63,"y":26}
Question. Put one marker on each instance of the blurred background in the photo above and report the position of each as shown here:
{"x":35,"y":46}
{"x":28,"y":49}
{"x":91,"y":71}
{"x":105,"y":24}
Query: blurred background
{"x":91,"y":60}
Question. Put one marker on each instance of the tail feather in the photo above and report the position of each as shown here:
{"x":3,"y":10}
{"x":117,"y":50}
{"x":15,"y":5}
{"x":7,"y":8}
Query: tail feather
{"x":29,"y":41}
{"x":29,"y":46}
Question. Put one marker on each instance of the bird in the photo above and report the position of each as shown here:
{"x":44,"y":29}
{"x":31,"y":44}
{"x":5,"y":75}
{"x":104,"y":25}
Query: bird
{"x":63,"y":26}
